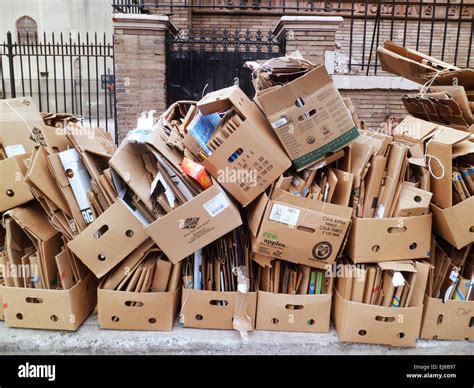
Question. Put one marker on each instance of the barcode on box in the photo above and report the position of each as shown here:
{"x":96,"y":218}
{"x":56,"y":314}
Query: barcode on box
{"x":284,"y":214}
{"x":217,"y":204}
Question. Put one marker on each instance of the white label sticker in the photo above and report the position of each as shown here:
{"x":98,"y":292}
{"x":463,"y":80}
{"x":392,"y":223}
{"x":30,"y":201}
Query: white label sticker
{"x":284,"y":214}
{"x":398,"y":280}
{"x":279,"y":123}
{"x":453,"y":276}
{"x":15,"y":149}
{"x":217,"y":204}
{"x":380,"y":211}
{"x":138,"y":135}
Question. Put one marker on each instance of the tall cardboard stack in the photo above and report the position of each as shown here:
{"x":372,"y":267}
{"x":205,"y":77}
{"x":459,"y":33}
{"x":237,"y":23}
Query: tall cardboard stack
{"x":299,"y":226}
{"x":443,"y":122}
{"x":45,"y":286}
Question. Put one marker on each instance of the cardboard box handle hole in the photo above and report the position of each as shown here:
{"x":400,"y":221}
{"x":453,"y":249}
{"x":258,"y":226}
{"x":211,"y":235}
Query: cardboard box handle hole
{"x":471,"y":322}
{"x":235,"y":155}
{"x":199,"y":317}
{"x":305,"y":229}
{"x":216,"y":302}
{"x":382,"y":318}
{"x":471,"y":229}
{"x":440,"y":319}
{"x":19,"y":316}
{"x":397,"y":229}
{"x":152,"y":320}
{"x":33,"y":300}
{"x":311,"y":322}
{"x":101,"y":231}
{"x":294,"y":307}
{"x":362,"y":332}
{"x":413,"y":245}
{"x":131,"y":303}
{"x":10,"y":193}
{"x":307,"y":115}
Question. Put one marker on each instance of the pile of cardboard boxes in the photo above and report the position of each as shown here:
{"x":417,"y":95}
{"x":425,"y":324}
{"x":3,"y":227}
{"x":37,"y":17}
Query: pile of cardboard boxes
{"x":237,"y":214}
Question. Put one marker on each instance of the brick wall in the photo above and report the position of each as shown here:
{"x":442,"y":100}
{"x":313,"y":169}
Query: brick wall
{"x":140,"y":75}
{"x":374,"y":105}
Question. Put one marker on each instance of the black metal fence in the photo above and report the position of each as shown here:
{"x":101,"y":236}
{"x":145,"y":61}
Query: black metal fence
{"x":63,"y":74}
{"x":441,"y":28}
{"x":199,"y":62}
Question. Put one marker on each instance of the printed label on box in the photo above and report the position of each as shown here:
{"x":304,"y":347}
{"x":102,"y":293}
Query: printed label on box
{"x":217,"y":204}
{"x":284,"y":214}
{"x":14,"y":149}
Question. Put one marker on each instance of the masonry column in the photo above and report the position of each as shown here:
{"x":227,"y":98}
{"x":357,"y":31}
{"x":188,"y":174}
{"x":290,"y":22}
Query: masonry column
{"x":311,"y":35}
{"x":140,"y":66}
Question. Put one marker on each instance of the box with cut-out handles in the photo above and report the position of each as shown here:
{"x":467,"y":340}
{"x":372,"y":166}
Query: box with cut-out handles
{"x":137,"y":310}
{"x":213,"y":309}
{"x":373,"y":240}
{"x":49,"y":309}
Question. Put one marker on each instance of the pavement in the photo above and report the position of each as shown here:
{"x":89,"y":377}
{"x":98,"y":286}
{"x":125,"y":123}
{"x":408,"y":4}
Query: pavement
{"x":89,"y":339}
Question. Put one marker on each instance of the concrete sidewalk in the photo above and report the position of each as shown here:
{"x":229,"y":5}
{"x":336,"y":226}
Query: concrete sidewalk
{"x":89,"y":339}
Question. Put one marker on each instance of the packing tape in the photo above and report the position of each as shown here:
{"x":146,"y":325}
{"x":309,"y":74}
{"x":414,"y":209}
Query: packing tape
{"x":242,"y":321}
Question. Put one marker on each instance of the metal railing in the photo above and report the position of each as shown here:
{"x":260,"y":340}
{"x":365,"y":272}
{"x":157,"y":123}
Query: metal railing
{"x":200,"y":61}
{"x":440,"y":28}
{"x":62,"y":74}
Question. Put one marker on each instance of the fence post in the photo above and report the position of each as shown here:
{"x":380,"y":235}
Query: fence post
{"x":140,"y":66}
{"x":11,"y":64}
{"x":311,"y":35}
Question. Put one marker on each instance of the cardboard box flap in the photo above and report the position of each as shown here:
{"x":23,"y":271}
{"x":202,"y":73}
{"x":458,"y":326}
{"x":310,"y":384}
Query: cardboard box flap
{"x":18,"y":118}
{"x":310,"y":204}
{"x":224,"y":99}
{"x":34,"y":220}
{"x":423,"y":269}
{"x":301,"y":87}
{"x":94,"y":140}
{"x":127,"y":163}
{"x":263,"y":261}
{"x":39,"y":175}
{"x":450,"y":136}
{"x":255,"y":212}
{"x":463,"y":148}
{"x":414,"y":128}
{"x":401,"y":266}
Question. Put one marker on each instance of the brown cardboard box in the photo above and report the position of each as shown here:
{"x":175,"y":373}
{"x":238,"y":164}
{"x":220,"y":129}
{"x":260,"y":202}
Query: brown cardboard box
{"x":20,"y":121}
{"x":213,"y":309}
{"x":261,"y":159}
{"x":373,"y":240}
{"x":450,"y":321}
{"x":367,"y":323}
{"x":309,"y":117}
{"x":137,"y":310}
{"x":300,"y":313}
{"x":109,"y":239}
{"x":409,"y":63}
{"x":455,"y":224}
{"x":195,"y":224}
{"x":50,"y":309}
{"x":297,"y":229}
{"x":13,"y":189}
{"x":191,"y":226}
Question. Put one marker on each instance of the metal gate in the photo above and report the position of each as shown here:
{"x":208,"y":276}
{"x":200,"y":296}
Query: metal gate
{"x":63,"y":74}
{"x":198,"y":63}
